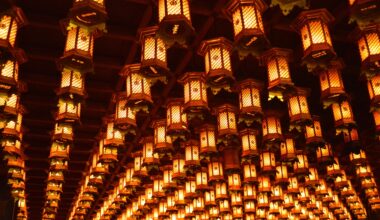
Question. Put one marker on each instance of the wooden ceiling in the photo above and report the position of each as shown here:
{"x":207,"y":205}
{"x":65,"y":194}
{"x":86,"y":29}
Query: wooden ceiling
{"x":43,"y":42}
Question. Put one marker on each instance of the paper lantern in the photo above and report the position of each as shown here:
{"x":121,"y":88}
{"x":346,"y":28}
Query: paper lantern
{"x":218,"y":67}
{"x":262,"y":201}
{"x":221,"y":191}
{"x":298,"y":107}
{"x":224,"y":206}
{"x":189,"y":210}
{"x":178,"y":167}
{"x":153,"y":53}
{"x":125,"y":118}
{"x":209,"y":198}
{"x":63,"y":132}
{"x":179,"y":197}
{"x":10,"y":21}
{"x":271,"y":126}
{"x":264,"y":184}
{"x":248,"y":25}
{"x":324,"y":153}
{"x":107,"y":153}
{"x":249,"y":143}
{"x":249,"y":99}
{"x":114,"y":136}
{"x":169,"y":182}
{"x":215,"y":171}
{"x":331,"y":84}
{"x":207,"y":136}
{"x":162,"y":141}
{"x":176,"y":119}
{"x":227,"y":124}
{"x":195,"y":92}
{"x":190,"y":184}
{"x":162,"y":207}
{"x":343,"y":115}
{"x":373,"y":85}
{"x":149,"y":157}
{"x":313,"y":134}
{"x":88,"y":12}
{"x":72,"y":84}
{"x":170,"y":203}
{"x":249,"y":206}
{"x":68,"y":111}
{"x":249,"y":192}
{"x":59,"y":150}
{"x":334,"y":168}
{"x":369,"y":50}
{"x":249,"y":172}
{"x":201,"y":180}
{"x":192,"y":158}
{"x":287,"y":149}
{"x":137,"y":87}
{"x":174,"y":21}
{"x":358,"y":157}
{"x":267,"y":161}
{"x":8,"y":73}
{"x":214,"y":212}
{"x":237,"y":212}
{"x":79,"y":48}
{"x":282,"y":174}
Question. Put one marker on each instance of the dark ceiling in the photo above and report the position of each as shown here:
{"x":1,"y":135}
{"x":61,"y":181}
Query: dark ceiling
{"x":43,"y":42}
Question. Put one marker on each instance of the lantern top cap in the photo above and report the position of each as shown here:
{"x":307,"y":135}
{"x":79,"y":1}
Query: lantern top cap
{"x":224,"y":107}
{"x":249,"y":83}
{"x":130,"y":69}
{"x":276,"y":52}
{"x":147,"y":31}
{"x":317,"y":14}
{"x":192,"y":75}
{"x":215,"y":42}
{"x":234,"y":4}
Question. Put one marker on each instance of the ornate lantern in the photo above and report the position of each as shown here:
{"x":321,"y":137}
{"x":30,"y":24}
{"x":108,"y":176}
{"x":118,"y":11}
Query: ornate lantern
{"x":227,"y":124}
{"x":162,"y":141}
{"x":374,"y":90}
{"x":113,"y":136}
{"x":149,"y":157}
{"x":343,"y":114}
{"x":201,"y":180}
{"x":107,"y":153}
{"x":249,"y":190}
{"x":207,"y":136}
{"x":174,"y":21}
{"x":288,"y":201}
{"x":224,"y":206}
{"x":279,"y":78}
{"x":63,"y":132}
{"x":277,"y":195}
{"x":341,"y":180}
{"x":248,"y":26}
{"x":313,"y":28}
{"x":368,"y":44}
{"x":72,"y":84}
{"x":137,"y":87}
{"x":358,"y":158}
{"x":217,"y":61}
{"x":153,"y":53}
{"x":195,"y":92}
{"x":158,"y":183}
{"x":178,"y":167}
{"x":298,"y":107}
{"x":176,"y":119}
{"x":282,"y":174}
{"x":215,"y":171}
{"x":267,"y":161}
{"x":249,"y":143}
{"x":68,"y":111}
{"x":312,"y":178}
{"x":192,"y":153}
{"x":11,"y":146}
{"x":334,"y":168}
{"x":78,"y":49}
{"x":11,"y":105}
{"x":264,"y":184}
{"x":59,"y":150}
{"x":12,"y":127}
{"x":56,"y":176}
{"x":313,"y":134}
{"x":331,"y":84}
{"x":376,"y":118}
{"x":301,"y":166}
{"x":324,"y":154}
{"x":287,"y":149}
{"x":88,"y":12}
{"x":214,"y":212}
{"x":368,"y":183}
{"x":303,"y":196}
{"x":249,"y":99}
{"x":125,"y":118}
{"x":8,"y":73}
{"x":234,"y":182}
{"x":198,"y":204}
{"x":271,"y":126}
{"x":249,"y":206}
{"x":363,"y":171}
{"x":139,"y":170}
{"x":191,"y":184}
{"x":169,"y":182}
{"x":249,"y":173}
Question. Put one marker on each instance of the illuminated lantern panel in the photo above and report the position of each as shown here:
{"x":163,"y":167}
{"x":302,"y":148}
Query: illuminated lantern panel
{"x":249,"y":173}
{"x":162,"y":141}
{"x":350,"y":136}
{"x":249,"y":143}
{"x":195,"y":92}
{"x":249,"y":98}
{"x":248,"y":25}
{"x":114,"y":136}
{"x":72,"y":84}
{"x":374,"y":90}
{"x":271,"y":126}
{"x":149,"y":157}
{"x":11,"y":105}
{"x":369,"y":48}
{"x":264,"y":184}
{"x":10,"y":21}
{"x":282,"y":174}
{"x":12,"y":128}
{"x":178,"y":167}
{"x":298,"y":107}
{"x":68,"y":111}
{"x":218,"y":67}
{"x":267,"y":161}
{"x":176,"y":119}
{"x":107,"y":153}
{"x":313,"y":28}
{"x":313,"y":134}
{"x":331,"y":83}
{"x":88,"y":12}
{"x":59,"y":150}
{"x":287,"y":149}
{"x":174,"y":21}
{"x":343,"y":114}
{"x":227,"y":124}
{"x":207,"y":139}
{"x":78,"y":49}
{"x":215,"y":171}
{"x":324,"y":153}
{"x":302,"y":165}
{"x":125,"y":118}
{"x":8,"y":74}
{"x":312,"y":178}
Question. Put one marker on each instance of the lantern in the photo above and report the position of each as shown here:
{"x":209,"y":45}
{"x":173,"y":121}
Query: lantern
{"x":11,"y":146}
{"x":324,"y":154}
{"x":249,"y":143}
{"x":114,"y":136}
{"x":262,"y":201}
{"x":12,"y":127}
{"x":264,"y":184}
{"x":237,"y":212}
{"x":234,"y":182}
{"x":209,"y":198}
{"x":298,"y":107}
{"x":59,"y":150}
{"x":287,"y":149}
{"x":158,"y":183}
{"x":282,"y":174}
{"x":271,"y":126}
{"x":341,"y":180}
{"x":279,"y":78}
{"x":107,"y":153}
{"x":214,"y":212}
{"x":343,"y":114}
{"x":11,"y":106}
{"x":125,"y":118}
{"x":288,"y":201}
{"x":191,"y":184}
{"x":169,"y":182}
{"x":217,"y":61}
{"x":331,"y":84}
{"x":302,"y":165}
{"x":8,"y":73}
{"x":267,"y":161}
{"x":376,"y":118}
{"x":189,"y":210}
{"x":170,"y":203}
{"x":139,"y":170}
{"x":72,"y":84}
{"x":358,"y":157}
{"x":321,"y":188}
{"x":313,"y":134}
{"x":313,"y":28}
{"x":249,"y":99}
{"x":312,"y":178}
{"x":249,"y":35}
{"x":198,"y":204}
{"x":249,"y":206}
{"x":192,"y":154}
{"x":334,"y":168}
{"x":368,"y":183}
{"x":56,"y":176}
{"x":368,"y":44}
{"x":149,"y":157}
{"x":63,"y":132}
{"x":178,"y":167}
{"x":221,"y":191}
{"x":68,"y":111}
{"x":249,"y":173}
{"x":88,"y":12}
{"x":195,"y":92}
{"x":174,"y":21}
{"x":227,"y":124}
{"x":176,"y":120}
{"x":273,"y":209}
{"x":224,"y":206}
{"x":374,"y":90}
{"x":249,"y":191}
{"x":78,"y":49}
{"x":201,"y":181}
{"x":303,"y":196}
{"x":363,"y":171}
{"x":207,"y":136}
{"x":162,"y":141}
{"x":153,"y":53}
{"x":137,"y":87}
{"x":277,"y":195}
{"x":215,"y":171}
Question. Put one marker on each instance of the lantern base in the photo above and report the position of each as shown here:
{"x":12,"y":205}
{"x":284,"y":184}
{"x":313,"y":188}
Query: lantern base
{"x":7,"y":52}
{"x":116,"y":142}
{"x":88,"y":13}
{"x":318,"y":56}
{"x":371,"y":66}
{"x":125,"y":124}
{"x":10,"y":149}
{"x":139,"y":102}
{"x":95,"y":181}
{"x":175,"y":29}
{"x":59,"y":179}
{"x":251,"y":42}
{"x":99,"y":170}
{"x":11,"y":133}
{"x":8,"y":85}
{"x":77,"y":60}
{"x":333,"y":95}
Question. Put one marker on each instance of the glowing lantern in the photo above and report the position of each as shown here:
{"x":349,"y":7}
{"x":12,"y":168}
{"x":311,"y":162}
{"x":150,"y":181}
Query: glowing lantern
{"x":227,"y":124}
{"x":217,"y":61}
{"x":249,"y":173}
{"x":368,"y":183}
{"x":201,"y":181}
{"x":207,"y":136}
{"x":195,"y":92}
{"x":334,"y":168}
{"x":271,"y":126}
{"x":88,"y":12}
{"x":363,"y":171}
{"x":302,"y":165}
{"x":139,"y":170}
{"x":178,"y":167}
{"x":249,"y":206}
{"x":279,"y":78}
{"x":224,"y":206}
{"x":11,"y":146}
{"x":303,"y":197}
{"x":162,"y":141}
{"x":176,"y":119}
{"x":287,"y":149}
{"x":368,"y":44}
{"x":59,"y":150}
{"x":169,"y":182}
{"x":63,"y":132}
{"x":189,"y":210}
{"x":343,"y":114}
{"x":72,"y":84}
{"x":331,"y":84}
{"x":192,"y":154}
{"x":149,"y":157}
{"x":376,"y":118}
{"x":313,"y":28}
{"x":288,"y":201}
{"x":153,"y":53}
{"x":215,"y":171}
{"x":374,"y":90}
{"x":351,"y":136}
{"x":262,"y":201}
{"x":312,"y":178}
{"x":137,"y":87}
{"x":68,"y":111}
{"x":162,"y":207}
{"x":12,"y":127}
{"x":107,"y":153}
{"x":313,"y":134}
{"x":11,"y":105}
{"x":10,"y":21}
{"x":248,"y":26}
{"x":198,"y":204}
{"x":249,"y":190}
{"x":298,"y":107}
{"x":324,"y":154}
{"x":249,"y":143}
{"x":341,"y":180}
{"x":8,"y":73}
{"x":158,"y":183}
{"x":221,"y":191}
{"x":174,"y":21}
{"x":125,"y":118}
{"x":273,"y":209}
{"x":282,"y":174}
{"x":237,"y":212}
{"x":113,"y":136}
{"x":267,"y":161}
{"x":170,"y":203}
{"x":358,"y":158}
{"x":55,"y":176}
{"x":264,"y":184}
{"x":249,"y":99}
{"x":209,"y":198}
{"x":276,"y":193}
{"x":234,"y":182}
{"x":191,"y":184}
{"x":78,"y":49}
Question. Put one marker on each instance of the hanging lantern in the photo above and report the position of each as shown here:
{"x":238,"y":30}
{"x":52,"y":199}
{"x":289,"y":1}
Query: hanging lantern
{"x":201,"y":180}
{"x":107,"y":153}
{"x":298,"y":107}
{"x":279,"y":78}
{"x":368,"y":44}
{"x":158,"y":183}
{"x":79,"y":48}
{"x":12,"y":127}
{"x":68,"y":111}
{"x":234,"y":182}
{"x":343,"y":114}
{"x":170,"y":204}
{"x":198,"y":204}
{"x":288,"y":201}
{"x":114,"y":136}
{"x":334,"y":168}
{"x":358,"y":158}
{"x":192,"y":154}
{"x":303,"y":196}
{"x":153,"y":53}
{"x":169,"y":182}
{"x":302,"y":165}
{"x":321,"y":189}
{"x":191,"y":184}
{"x":174,"y":21}
{"x":59,"y":150}
{"x":249,"y":191}
{"x":249,"y":206}
{"x":217,"y":62}
{"x":249,"y":143}
{"x":125,"y":118}
{"x":331,"y":84}
{"x":149,"y":157}
{"x":162,"y":141}
{"x":176,"y":119}
{"x":72,"y":84}
{"x":262,"y":201}
{"x":313,"y":134}
{"x":249,"y":99}
{"x":227,"y":124}
{"x":341,"y":180}
{"x":162,"y":207}
{"x":249,"y":172}
{"x":215,"y":171}
{"x":248,"y":26}
{"x":63,"y":132}
{"x":224,"y":206}
{"x":376,"y":118}
{"x":324,"y":154}
{"x":214,"y":212}
{"x":287,"y":149}
{"x":55,"y":176}
{"x":207,"y":136}
{"x":374,"y":90}
{"x":209,"y":198}
{"x":11,"y":106}
{"x":261,"y":213}
{"x":267,"y":161}
{"x":271,"y":126}
{"x":178,"y":167}
{"x":11,"y":146}
{"x":313,"y":28}
{"x":276,"y":195}
{"x":363,"y":171}
{"x":368,"y":183}
{"x":88,"y":12}
{"x":282,"y":174}
{"x":8,"y":73}
{"x":264,"y":184}
{"x":195,"y":92}
{"x":139,"y":170}
{"x":273,"y":210}
{"x":312,"y":178}
{"x":189,"y":210}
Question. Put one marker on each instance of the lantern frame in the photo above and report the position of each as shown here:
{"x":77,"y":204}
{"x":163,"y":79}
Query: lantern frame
{"x":178,"y":126}
{"x":249,"y":143}
{"x":208,"y":139}
{"x":231,"y":120}
{"x":125,"y":118}
{"x":194,"y":104}
{"x":331,"y":83}
{"x":69,"y":88}
{"x":300,"y":115}
{"x":253,"y":109}
{"x":288,"y":149}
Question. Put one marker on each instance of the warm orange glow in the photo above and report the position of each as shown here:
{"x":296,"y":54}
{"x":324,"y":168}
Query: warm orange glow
{"x":176,"y":119}
{"x":227,"y":124}
{"x":298,"y":107}
{"x":342,"y":113}
{"x":271,"y":126}
{"x":287,"y":149}
{"x":137,"y":86}
{"x":267,"y":161}
{"x":207,"y":136}
{"x":195,"y":91}
{"x":249,"y":97}
{"x":249,"y":142}
{"x":163,"y":142}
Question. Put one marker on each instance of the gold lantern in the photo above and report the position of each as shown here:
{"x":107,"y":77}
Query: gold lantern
{"x":170,"y":203}
{"x":249,"y":192}
{"x":267,"y":161}
{"x":179,"y":167}
{"x":137,"y":87}
{"x":201,"y":181}
{"x":198,"y":204}
{"x":169,"y":182}
{"x":358,"y":157}
{"x":125,"y":118}
{"x":313,"y":28}
{"x":218,"y":67}
{"x":288,"y":149}
{"x":343,"y":115}
{"x":249,"y":206}
{"x":68,"y":111}
{"x":324,"y":153}
{"x":331,"y":84}
{"x":176,"y":119}
{"x":303,"y":196}
{"x":237,"y":212}
{"x":114,"y":136}
{"x":312,"y":178}
{"x":191,"y":184}
{"x":107,"y":153}
{"x":351,"y":136}
{"x":153,"y":53}
{"x":11,"y":146}
{"x":282,"y":174}
{"x":234,"y":182}
{"x":88,"y":12}
{"x":374,"y":90}
{"x":59,"y":150}
{"x":249,"y":172}
{"x":248,"y":26}
{"x":215,"y":171}
{"x":271,"y":126}
{"x":8,"y":74}
{"x":264,"y":184}
{"x":262,"y":201}
{"x":139,"y":170}
{"x":341,"y":180}
{"x":162,"y":141}
{"x":249,"y":143}
{"x":224,"y":206}
{"x":192,"y":158}
{"x":207,"y":136}
{"x":10,"y":106}
{"x":313,"y":134}
{"x":214,"y":212}
{"x":79,"y":48}
{"x":149,"y":157}
{"x":189,"y":210}
{"x":249,"y":99}
{"x":277,"y":195}
{"x":12,"y":128}
{"x":368,"y":44}
{"x":279,"y":77}
{"x":301,"y":166}
{"x":174,"y":21}
{"x":273,"y":210}
{"x":209,"y":198}
{"x":288,"y":201}
{"x":363,"y":171}
{"x":63,"y":132}
{"x":227,"y":124}
{"x":55,"y":176}
{"x":158,"y":183}
{"x":195,"y":92}
{"x":298,"y":107}
{"x":376,"y":118}
{"x":72,"y":84}
{"x":368,"y":183}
